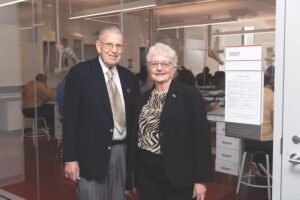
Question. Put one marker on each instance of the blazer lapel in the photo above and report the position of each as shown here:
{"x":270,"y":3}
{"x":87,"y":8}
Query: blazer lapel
{"x":170,"y":99}
{"x":98,"y":81}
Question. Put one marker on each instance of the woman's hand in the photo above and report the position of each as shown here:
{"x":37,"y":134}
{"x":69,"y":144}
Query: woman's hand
{"x":199,"y":191}
{"x":72,"y":171}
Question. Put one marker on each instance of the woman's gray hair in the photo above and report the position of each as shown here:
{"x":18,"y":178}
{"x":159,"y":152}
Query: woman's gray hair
{"x":163,"y":50}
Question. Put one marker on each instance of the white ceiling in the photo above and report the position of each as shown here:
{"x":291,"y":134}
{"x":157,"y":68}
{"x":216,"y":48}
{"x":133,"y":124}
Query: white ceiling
{"x":170,"y":11}
{"x":249,"y":12}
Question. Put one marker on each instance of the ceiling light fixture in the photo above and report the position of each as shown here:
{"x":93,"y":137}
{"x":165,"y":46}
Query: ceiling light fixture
{"x":198,"y":24}
{"x":30,"y":27}
{"x":242,"y":32}
{"x":101,"y":21}
{"x":9,"y":2}
{"x":129,"y":6}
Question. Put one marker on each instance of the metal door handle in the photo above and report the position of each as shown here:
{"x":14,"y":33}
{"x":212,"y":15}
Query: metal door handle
{"x":295,"y":158}
{"x":296,"y":139}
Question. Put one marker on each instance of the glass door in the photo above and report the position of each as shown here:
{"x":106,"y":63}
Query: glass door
{"x":18,"y":136}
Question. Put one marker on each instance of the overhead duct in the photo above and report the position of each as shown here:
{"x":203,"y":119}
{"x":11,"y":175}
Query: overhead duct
{"x":243,"y":13}
{"x":210,"y":51}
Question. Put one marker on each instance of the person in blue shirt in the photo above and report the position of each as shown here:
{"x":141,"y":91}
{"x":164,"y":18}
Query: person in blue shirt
{"x":60,"y":91}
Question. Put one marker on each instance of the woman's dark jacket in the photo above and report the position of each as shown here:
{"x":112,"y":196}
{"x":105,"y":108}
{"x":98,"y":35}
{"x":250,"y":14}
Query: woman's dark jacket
{"x":184,"y":137}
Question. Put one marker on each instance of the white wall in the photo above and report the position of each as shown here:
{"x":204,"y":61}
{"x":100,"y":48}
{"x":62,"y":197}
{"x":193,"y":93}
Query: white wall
{"x":31,"y":46}
{"x":10,"y":67}
{"x":133,"y":27}
{"x":195,"y":53}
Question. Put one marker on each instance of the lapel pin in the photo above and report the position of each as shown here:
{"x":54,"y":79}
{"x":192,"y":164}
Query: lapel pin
{"x":128,"y":90}
{"x":174,"y":95}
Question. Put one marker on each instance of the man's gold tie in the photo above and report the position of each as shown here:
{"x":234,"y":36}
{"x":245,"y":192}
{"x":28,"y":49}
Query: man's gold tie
{"x":117,"y":107}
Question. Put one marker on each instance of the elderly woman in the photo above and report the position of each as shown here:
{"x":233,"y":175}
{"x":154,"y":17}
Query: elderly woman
{"x":169,"y":152}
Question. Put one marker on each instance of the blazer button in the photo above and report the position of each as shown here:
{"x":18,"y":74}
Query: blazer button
{"x":161,"y":134}
{"x":109,"y":147}
{"x":111,"y":130}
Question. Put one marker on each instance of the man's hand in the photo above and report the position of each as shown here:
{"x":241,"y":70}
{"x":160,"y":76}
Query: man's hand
{"x":130,"y":194}
{"x":72,"y":171}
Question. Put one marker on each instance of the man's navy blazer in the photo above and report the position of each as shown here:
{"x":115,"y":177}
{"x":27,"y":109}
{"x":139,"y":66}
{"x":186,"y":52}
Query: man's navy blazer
{"x":88,"y":122}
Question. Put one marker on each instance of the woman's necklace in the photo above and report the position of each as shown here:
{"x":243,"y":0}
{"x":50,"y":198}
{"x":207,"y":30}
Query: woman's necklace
{"x":160,"y":91}
{"x":161,"y":88}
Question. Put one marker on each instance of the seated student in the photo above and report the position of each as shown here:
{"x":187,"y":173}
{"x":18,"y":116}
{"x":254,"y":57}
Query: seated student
{"x":204,"y":78}
{"x":144,"y":82}
{"x":60,"y":91}
{"x":270,"y":71}
{"x":266,"y":144}
{"x":185,"y":76}
{"x":43,"y":93}
{"x":219,"y":80}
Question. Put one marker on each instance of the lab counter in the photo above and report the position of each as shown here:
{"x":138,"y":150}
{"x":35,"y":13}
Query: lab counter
{"x":10,"y":96}
{"x":216,"y":115}
{"x":228,"y":149}
{"x":11,"y":117}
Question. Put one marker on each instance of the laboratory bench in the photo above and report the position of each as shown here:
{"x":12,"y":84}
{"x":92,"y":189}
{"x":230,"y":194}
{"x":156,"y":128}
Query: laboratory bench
{"x":228,"y":150}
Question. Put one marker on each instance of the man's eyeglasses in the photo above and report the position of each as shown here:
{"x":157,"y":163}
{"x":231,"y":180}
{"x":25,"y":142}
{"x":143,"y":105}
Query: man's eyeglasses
{"x":110,"y":46}
{"x":163,"y":64}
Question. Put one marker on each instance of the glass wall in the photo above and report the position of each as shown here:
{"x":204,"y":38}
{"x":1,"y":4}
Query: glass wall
{"x":18,"y":67}
{"x":38,"y":36}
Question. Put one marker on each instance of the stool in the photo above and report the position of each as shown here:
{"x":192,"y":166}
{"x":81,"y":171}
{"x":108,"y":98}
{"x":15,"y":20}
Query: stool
{"x":39,"y":130}
{"x":245,"y":177}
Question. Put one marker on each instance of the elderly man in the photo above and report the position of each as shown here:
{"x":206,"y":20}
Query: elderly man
{"x":99,"y":99}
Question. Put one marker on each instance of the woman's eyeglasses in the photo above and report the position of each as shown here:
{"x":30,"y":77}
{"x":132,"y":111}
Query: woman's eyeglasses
{"x":163,"y":64}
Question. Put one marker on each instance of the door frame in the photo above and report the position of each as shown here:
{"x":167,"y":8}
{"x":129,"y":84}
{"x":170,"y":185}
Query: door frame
{"x":282,"y":68}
